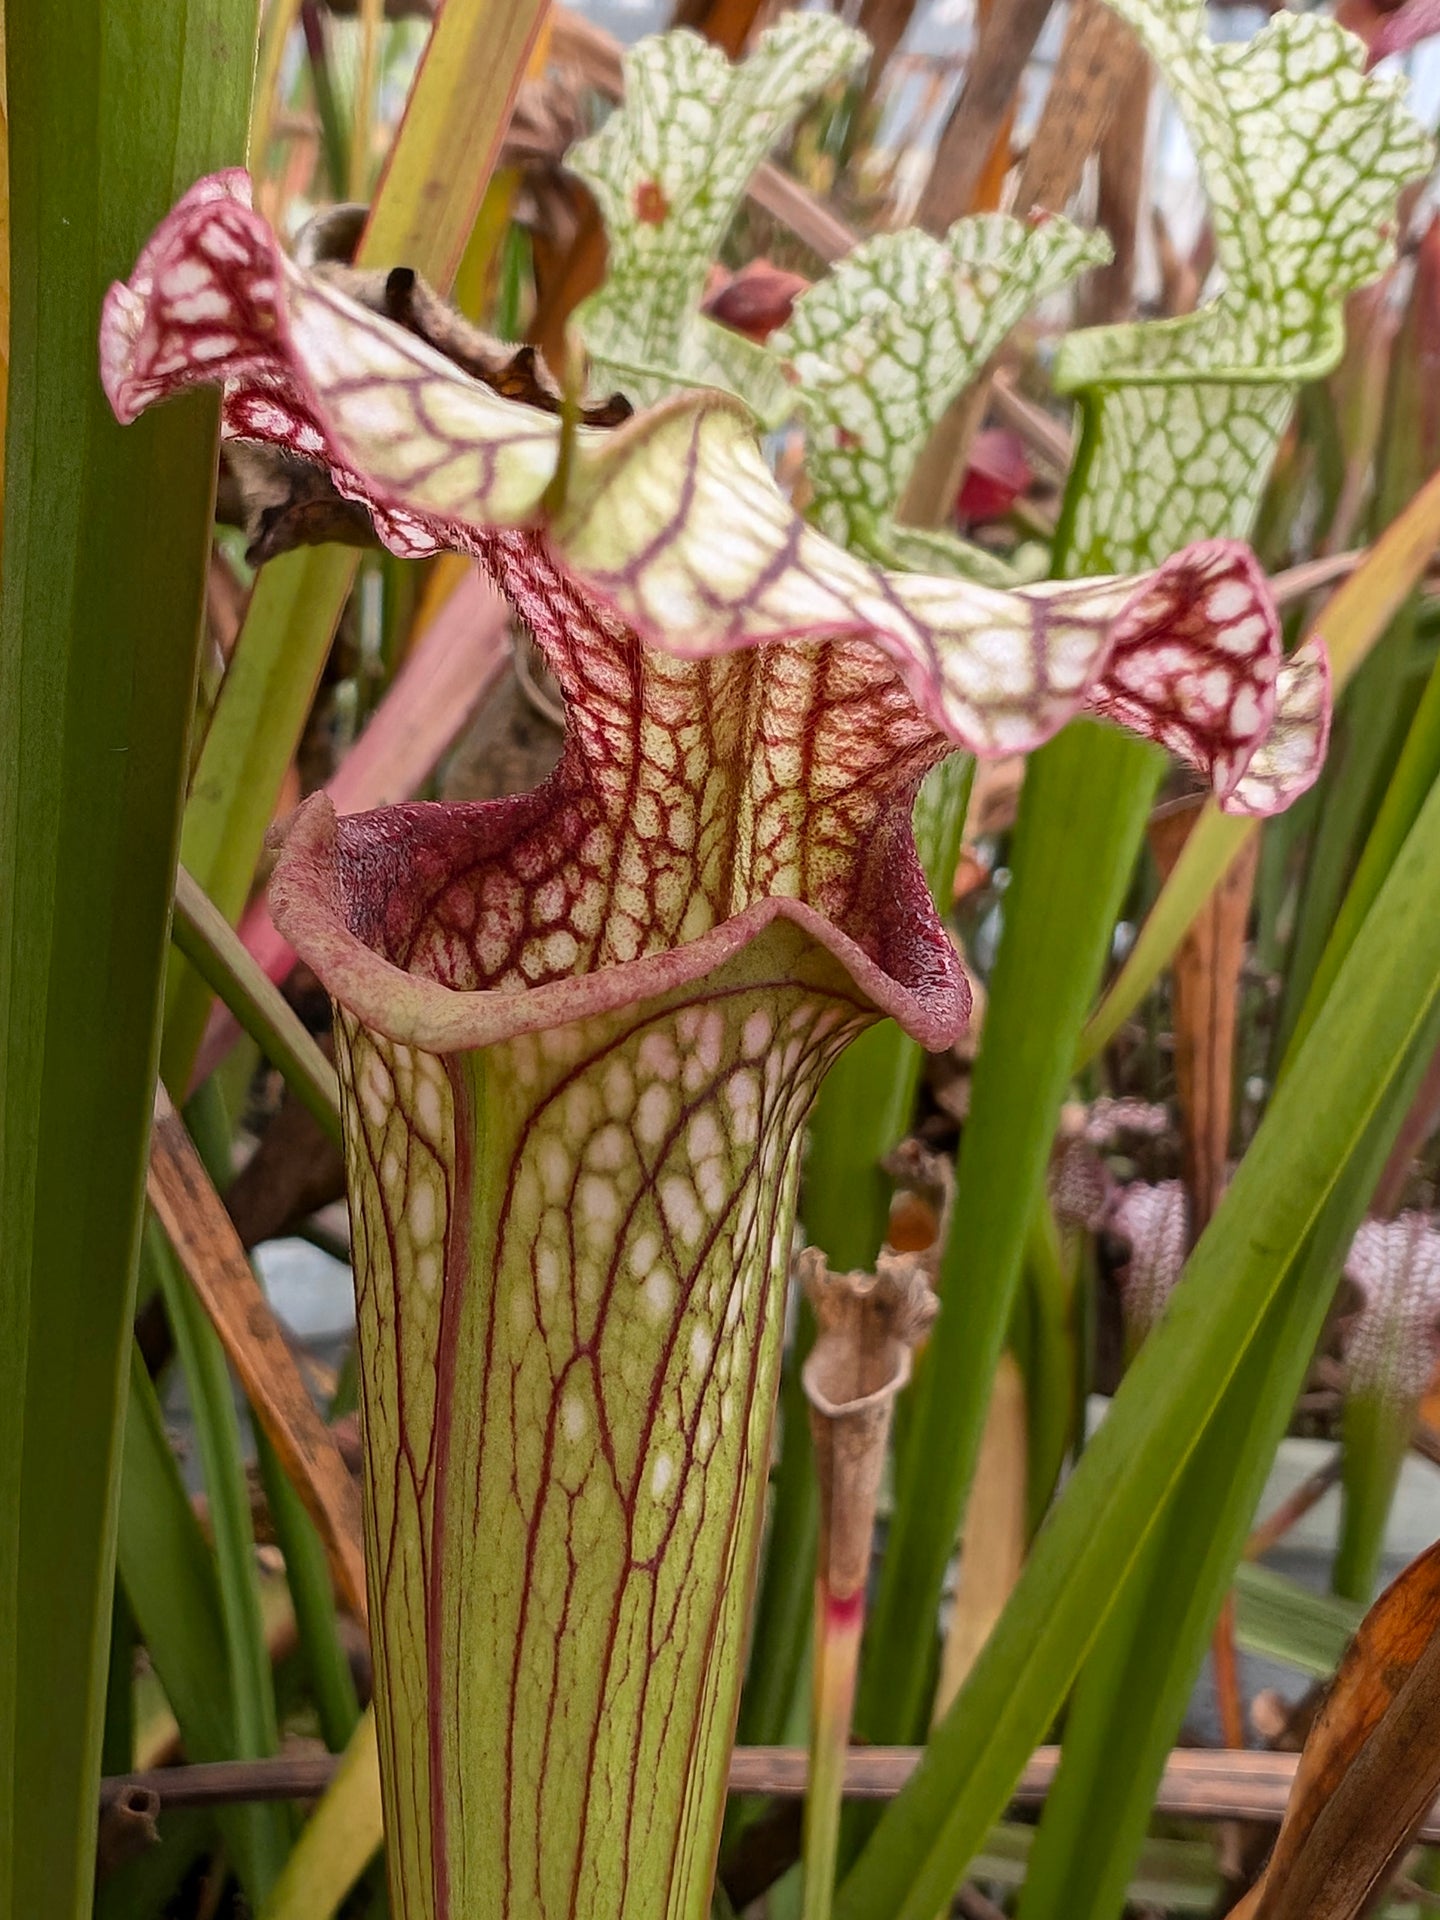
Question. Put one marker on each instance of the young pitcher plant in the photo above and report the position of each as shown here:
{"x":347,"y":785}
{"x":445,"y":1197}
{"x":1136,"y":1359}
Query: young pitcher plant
{"x":579,"y":1030}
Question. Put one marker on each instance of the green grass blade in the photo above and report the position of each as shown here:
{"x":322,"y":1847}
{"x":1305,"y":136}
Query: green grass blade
{"x":334,"y":135}
{"x":306,"y":1565}
{"x":117,"y":1750}
{"x":340,"y":1839}
{"x":1173,"y":1876}
{"x":171,"y":1583}
{"x":1355,"y":780}
{"x":1376,"y":1438}
{"x":169,"y":1576}
{"x":113,"y":110}
{"x":1358,"y":1067}
{"x":1052,"y":1366}
{"x":1280,"y":1620}
{"x":1416,"y":772}
{"x":312,"y":1592}
{"x":210,"y":943}
{"x":1369,"y":725}
{"x":251,"y":739}
{"x":247,"y":1658}
{"x":785,"y":1605}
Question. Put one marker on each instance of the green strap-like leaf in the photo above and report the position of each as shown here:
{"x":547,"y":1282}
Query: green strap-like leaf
{"x":1302,"y":155}
{"x":881,"y":347}
{"x":111,"y":112}
{"x":668,"y":170}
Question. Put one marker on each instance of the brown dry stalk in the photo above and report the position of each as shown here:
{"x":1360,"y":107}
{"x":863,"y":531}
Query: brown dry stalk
{"x":1099,"y":58}
{"x":883,"y":23}
{"x":1206,"y":986}
{"x":1007,"y":39}
{"x":1270,"y":1531}
{"x":1196,"y":1784}
{"x":1418,"y":1125}
{"x":993,"y":1549}
{"x":209,"y":1249}
{"x":725,"y":23}
{"x":1108,"y":295}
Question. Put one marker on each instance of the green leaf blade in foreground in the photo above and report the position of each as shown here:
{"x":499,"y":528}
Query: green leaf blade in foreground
{"x":112,"y":112}
{"x":1357,"y":1067}
{"x":1203,"y":446}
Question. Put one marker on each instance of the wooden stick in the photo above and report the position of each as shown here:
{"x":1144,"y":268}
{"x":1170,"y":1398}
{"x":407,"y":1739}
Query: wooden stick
{"x":1198,"y":1784}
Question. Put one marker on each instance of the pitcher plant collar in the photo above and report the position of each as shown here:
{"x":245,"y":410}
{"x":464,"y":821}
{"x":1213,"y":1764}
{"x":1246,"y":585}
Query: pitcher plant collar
{"x":750,"y":705}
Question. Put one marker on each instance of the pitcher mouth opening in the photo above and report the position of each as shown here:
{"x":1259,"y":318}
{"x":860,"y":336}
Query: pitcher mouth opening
{"x":349,"y":895}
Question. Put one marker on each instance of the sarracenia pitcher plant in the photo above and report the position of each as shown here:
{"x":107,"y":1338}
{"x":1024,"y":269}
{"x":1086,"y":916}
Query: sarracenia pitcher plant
{"x":579,"y":1030}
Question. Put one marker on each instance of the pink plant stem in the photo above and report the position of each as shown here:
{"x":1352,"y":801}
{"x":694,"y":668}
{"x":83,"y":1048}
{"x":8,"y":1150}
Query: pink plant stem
{"x":839,"y":1624}
{"x":867,"y":1328}
{"x":1418,"y":1125}
{"x":458,"y":660}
